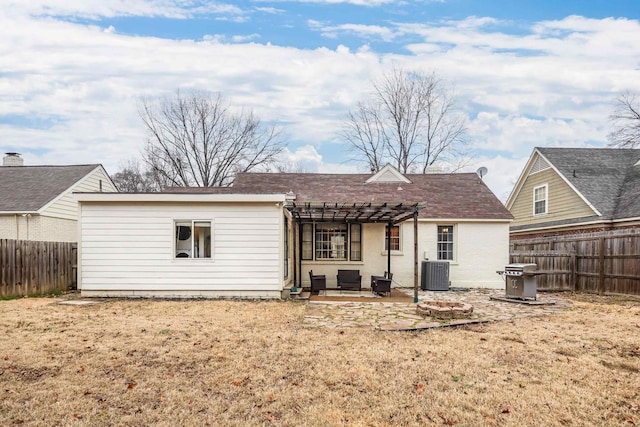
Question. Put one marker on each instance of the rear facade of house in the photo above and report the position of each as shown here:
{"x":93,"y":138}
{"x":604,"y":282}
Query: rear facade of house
{"x":250,"y":241}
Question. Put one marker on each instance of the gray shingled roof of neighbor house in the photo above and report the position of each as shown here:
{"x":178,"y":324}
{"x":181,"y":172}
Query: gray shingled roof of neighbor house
{"x":462,"y":195}
{"x":29,"y":188}
{"x":606,"y":177}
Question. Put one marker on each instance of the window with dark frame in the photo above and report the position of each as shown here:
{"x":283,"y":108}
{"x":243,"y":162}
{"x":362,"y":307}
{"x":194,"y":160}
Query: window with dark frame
{"x":356,"y":242}
{"x":331,"y":241}
{"x":395,"y":237}
{"x":445,"y":242}
{"x":307,"y":242}
{"x":193,"y":239}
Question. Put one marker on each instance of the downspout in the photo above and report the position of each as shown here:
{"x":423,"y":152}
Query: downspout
{"x":17,"y":228}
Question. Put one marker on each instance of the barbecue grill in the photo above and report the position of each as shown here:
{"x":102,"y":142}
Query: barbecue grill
{"x":520,"y":280}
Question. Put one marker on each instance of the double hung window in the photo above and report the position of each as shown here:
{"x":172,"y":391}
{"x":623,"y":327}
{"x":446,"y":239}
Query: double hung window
{"x":540,"y":199}
{"x":394,"y":239}
{"x":445,"y":242}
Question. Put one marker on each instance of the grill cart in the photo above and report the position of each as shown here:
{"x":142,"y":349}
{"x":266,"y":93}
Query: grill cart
{"x":520,"y":280}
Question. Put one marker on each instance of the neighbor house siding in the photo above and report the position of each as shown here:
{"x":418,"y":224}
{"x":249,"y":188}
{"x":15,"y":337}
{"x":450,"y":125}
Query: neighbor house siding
{"x":66,"y":206}
{"x":563,"y":202}
{"x":128,"y":249}
{"x":481,"y":249}
{"x":37,"y":227}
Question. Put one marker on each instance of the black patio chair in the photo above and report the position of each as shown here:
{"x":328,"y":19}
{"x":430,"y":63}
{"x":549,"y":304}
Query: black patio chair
{"x":381,"y":284}
{"x":318,"y":282}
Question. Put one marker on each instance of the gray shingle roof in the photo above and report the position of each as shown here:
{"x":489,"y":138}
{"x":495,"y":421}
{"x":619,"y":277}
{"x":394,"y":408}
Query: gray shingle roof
{"x":606,"y":177}
{"x":29,"y":188}
{"x":462,"y":195}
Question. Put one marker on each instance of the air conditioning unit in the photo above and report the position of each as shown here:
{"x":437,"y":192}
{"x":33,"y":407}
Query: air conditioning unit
{"x":435,"y":276}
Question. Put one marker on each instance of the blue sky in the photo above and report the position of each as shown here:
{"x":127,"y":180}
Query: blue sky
{"x":525,"y":73}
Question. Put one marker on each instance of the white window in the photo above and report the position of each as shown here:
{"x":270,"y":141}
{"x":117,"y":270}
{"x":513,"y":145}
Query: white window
{"x":445,"y":242}
{"x":193,"y":239}
{"x":540,"y":196}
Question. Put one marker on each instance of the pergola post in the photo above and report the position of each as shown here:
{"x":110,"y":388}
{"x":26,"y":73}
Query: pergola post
{"x":415,"y":256}
{"x":299,"y":254}
{"x":296,"y":272}
{"x":389,"y":247}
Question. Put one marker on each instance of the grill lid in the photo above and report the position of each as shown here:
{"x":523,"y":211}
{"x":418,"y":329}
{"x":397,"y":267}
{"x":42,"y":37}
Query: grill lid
{"x":526,"y":268}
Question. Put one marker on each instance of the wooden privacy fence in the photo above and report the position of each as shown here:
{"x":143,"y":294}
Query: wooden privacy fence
{"x":28,"y":267}
{"x":606,"y":262}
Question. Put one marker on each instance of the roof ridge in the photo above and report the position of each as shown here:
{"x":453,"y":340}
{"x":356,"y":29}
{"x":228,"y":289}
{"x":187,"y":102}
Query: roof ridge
{"x":52,"y":166}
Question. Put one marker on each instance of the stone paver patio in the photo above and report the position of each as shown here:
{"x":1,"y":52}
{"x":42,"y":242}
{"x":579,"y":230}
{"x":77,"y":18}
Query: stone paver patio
{"x":402,"y":316}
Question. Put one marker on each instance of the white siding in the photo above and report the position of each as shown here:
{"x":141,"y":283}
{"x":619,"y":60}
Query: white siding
{"x":67,"y":207}
{"x":481,"y":249}
{"x":128,"y":249}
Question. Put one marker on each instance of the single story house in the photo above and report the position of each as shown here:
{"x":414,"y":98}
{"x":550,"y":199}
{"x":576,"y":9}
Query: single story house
{"x":37,"y":203}
{"x":576,"y":190}
{"x":267,"y":232}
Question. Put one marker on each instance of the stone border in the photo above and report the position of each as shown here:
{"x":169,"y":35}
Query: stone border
{"x":444,"y":309}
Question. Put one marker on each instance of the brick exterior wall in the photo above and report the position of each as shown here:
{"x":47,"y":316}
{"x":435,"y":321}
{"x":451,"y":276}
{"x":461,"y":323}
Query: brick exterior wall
{"x":36,"y":227}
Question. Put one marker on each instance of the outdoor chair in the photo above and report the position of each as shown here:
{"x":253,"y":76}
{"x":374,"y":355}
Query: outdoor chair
{"x":350,"y":280}
{"x":318,"y":282}
{"x":381,"y":284}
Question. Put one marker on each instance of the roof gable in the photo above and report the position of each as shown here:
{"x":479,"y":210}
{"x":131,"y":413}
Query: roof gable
{"x":30,"y":188}
{"x":388,"y":174}
{"x":604,"y":178}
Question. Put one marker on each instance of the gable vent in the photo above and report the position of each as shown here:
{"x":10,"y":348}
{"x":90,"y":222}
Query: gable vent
{"x":540,"y":165}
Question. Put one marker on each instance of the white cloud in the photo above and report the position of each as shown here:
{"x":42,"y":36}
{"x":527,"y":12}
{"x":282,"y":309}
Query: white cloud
{"x":364,"y":31}
{"x":503,"y":172}
{"x":370,"y":3}
{"x":95,"y":9}
{"x":84,"y":81}
{"x":271,"y":10}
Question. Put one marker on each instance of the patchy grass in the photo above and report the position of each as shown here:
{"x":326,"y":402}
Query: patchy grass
{"x":144,"y":362}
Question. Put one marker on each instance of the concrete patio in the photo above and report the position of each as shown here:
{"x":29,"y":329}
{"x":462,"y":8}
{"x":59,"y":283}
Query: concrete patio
{"x":400,"y":316}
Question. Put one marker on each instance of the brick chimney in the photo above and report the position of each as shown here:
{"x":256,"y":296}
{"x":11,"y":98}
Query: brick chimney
{"x":12,"y":159}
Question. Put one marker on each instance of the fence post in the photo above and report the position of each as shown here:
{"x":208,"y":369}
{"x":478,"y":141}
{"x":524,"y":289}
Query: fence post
{"x":573,"y":267}
{"x":601,"y":287}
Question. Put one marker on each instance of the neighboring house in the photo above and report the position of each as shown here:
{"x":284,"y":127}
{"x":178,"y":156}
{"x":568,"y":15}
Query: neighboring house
{"x":576,"y":190}
{"x":36,"y":202}
{"x":266,"y":232}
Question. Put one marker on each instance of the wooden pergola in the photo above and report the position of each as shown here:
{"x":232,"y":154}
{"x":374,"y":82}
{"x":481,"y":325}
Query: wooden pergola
{"x":389,"y":213}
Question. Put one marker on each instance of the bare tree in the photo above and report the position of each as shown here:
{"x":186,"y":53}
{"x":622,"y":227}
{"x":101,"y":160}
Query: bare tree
{"x":410,"y":121}
{"x":197,"y":140}
{"x":626,"y":122}
{"x":132,"y":179}
{"x":288,"y":167}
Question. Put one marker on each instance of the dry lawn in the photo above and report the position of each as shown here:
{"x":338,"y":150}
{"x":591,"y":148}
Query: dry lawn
{"x":142,"y":362}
